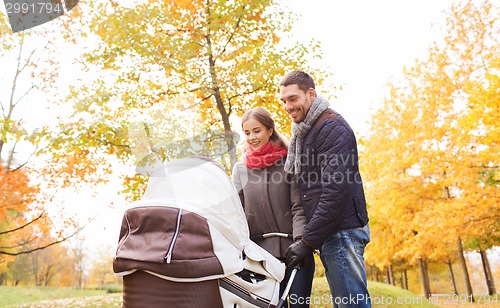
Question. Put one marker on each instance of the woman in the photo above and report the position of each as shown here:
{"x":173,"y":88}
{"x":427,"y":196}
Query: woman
{"x":271,"y":198}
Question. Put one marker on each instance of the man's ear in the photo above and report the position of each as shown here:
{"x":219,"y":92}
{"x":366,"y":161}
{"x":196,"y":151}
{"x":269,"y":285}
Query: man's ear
{"x":311,"y":93}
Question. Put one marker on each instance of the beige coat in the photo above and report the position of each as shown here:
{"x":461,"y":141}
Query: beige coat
{"x":272,"y":204}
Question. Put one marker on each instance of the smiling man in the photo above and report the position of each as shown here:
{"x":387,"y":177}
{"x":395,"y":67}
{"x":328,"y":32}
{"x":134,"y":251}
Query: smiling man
{"x":323,"y":154}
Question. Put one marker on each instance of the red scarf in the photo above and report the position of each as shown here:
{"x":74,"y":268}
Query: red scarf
{"x":263,"y":157}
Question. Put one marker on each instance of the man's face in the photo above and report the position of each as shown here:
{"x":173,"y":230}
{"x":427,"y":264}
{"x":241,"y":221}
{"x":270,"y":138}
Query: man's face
{"x":296,"y":101}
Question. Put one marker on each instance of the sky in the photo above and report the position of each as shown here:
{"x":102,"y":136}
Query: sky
{"x":365,"y":43}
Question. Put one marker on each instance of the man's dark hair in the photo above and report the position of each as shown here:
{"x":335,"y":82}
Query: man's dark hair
{"x":300,"y":78}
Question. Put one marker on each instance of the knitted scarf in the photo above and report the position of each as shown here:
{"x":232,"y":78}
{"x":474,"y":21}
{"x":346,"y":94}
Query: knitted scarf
{"x":263,"y":157}
{"x":299,"y":131}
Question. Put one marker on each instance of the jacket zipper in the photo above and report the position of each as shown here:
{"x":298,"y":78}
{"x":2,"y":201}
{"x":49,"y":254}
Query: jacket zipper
{"x":168,"y":256}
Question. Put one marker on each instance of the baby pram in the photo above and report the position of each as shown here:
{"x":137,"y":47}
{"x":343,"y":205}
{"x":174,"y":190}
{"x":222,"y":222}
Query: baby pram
{"x":186,"y":244}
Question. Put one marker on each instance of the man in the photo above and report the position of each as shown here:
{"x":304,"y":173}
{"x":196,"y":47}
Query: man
{"x":323,"y":154}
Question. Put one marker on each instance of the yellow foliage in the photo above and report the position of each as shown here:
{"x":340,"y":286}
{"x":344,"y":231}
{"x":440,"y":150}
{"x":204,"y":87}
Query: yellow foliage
{"x":431,"y":163}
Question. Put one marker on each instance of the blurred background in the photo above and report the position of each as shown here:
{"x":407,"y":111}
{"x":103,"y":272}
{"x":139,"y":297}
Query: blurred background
{"x":90,"y":99}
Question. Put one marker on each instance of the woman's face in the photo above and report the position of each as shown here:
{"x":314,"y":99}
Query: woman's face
{"x":256,"y":134}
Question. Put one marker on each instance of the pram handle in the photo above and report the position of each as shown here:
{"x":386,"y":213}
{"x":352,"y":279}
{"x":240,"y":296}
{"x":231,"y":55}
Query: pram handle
{"x":271,"y":234}
{"x":288,"y":286}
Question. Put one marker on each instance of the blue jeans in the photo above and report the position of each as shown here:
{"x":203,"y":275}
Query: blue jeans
{"x":300,"y":292}
{"x":342,"y":257}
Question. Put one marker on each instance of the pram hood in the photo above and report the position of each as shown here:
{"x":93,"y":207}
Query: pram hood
{"x":199,"y":186}
{"x":203,"y":188}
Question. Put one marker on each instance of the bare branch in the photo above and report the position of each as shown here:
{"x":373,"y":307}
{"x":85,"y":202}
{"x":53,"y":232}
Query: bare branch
{"x":239,"y":95}
{"x":25,"y":93}
{"x":25,"y":225}
{"x":4,"y":252}
{"x":27,"y":160}
{"x":197,"y":103}
{"x":106,"y":142}
{"x":20,"y":244}
{"x":492,"y":218}
{"x":236,"y":28}
{"x":11,"y":156}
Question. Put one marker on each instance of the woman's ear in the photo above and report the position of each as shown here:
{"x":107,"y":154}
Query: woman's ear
{"x":270,"y":132}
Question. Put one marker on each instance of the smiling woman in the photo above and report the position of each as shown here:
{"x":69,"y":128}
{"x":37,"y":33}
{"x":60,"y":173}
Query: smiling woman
{"x":270,"y":196}
{"x":256,"y":134}
{"x":258,"y":127}
{"x":261,"y":138}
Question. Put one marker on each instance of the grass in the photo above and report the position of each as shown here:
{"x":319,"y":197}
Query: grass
{"x":69,"y":298}
{"x":18,"y":296}
{"x":383,"y":295}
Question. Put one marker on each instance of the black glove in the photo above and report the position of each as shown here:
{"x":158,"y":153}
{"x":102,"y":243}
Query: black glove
{"x":296,"y":252}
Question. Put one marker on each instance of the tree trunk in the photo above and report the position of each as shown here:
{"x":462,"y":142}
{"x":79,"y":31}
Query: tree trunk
{"x":452,"y":276}
{"x":487,"y":273}
{"x":426,"y":288}
{"x":228,"y":133}
{"x":390,"y":275}
{"x":79,"y":260}
{"x":405,"y":279}
{"x":427,"y":279}
{"x":36,"y":274}
{"x":48,"y":275}
{"x":1,"y":148}
{"x":468,"y":285}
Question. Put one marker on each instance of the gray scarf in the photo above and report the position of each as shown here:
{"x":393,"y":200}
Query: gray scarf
{"x":299,"y":131}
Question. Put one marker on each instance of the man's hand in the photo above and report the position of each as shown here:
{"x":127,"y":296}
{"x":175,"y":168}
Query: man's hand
{"x":296,"y":252}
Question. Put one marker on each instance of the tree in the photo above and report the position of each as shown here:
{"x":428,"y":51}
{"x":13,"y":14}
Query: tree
{"x":28,"y":181}
{"x":48,"y":264}
{"x":20,"y":270}
{"x":79,"y":259}
{"x":210,"y":58}
{"x":100,"y":273}
{"x":482,"y":245}
{"x":431,"y":164}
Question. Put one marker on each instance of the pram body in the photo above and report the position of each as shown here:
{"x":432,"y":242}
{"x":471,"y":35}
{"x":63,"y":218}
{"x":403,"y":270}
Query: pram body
{"x":186,"y":244}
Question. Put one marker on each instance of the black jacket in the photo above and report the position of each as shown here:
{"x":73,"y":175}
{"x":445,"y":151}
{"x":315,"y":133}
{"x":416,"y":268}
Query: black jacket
{"x":330,"y":184}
